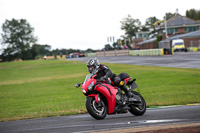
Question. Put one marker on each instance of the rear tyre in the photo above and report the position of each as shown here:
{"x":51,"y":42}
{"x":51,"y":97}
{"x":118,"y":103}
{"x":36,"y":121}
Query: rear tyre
{"x":138,"y":109}
{"x":97,"y":111}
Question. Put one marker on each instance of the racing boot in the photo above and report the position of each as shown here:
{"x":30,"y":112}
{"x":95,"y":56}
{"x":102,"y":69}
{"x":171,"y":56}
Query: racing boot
{"x":125,"y":89}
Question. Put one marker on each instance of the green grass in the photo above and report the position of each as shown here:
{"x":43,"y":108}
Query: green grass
{"x":34,"y":89}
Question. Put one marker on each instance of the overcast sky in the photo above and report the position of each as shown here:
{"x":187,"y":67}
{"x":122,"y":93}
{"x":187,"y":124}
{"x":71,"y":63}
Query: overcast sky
{"x":83,"y":24}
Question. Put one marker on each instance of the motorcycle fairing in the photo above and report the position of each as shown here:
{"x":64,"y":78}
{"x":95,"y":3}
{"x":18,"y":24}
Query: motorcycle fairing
{"x":110,"y":93}
{"x":95,"y":97}
{"x":127,"y":79}
{"x":87,"y":83}
{"x":133,"y":86}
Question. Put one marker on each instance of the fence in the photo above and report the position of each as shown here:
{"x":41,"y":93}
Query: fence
{"x":193,"y":49}
{"x":91,"y":55}
{"x":112,"y":53}
{"x":149,"y":52}
{"x":194,"y":45}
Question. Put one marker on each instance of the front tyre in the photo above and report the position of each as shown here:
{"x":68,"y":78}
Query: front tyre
{"x":96,"y":110}
{"x":138,"y":109}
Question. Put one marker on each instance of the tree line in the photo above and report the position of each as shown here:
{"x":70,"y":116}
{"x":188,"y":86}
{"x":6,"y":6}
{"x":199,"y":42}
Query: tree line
{"x":193,"y":14}
{"x":19,"y":42}
{"x":132,"y":26}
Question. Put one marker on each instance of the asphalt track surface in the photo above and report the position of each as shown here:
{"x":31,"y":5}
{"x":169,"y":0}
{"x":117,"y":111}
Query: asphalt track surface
{"x":85,"y":123}
{"x":152,"y":117}
{"x":179,"y":60}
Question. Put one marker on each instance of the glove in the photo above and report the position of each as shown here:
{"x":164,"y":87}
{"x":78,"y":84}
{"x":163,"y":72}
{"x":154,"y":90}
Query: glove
{"x":77,"y":85}
{"x":103,"y":78}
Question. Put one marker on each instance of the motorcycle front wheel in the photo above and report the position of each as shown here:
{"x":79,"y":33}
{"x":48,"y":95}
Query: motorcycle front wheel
{"x":96,"y":110}
{"x":138,"y":109}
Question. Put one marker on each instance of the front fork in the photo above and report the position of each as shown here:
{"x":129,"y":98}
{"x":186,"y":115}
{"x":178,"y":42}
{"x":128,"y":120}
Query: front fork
{"x":96,"y":97}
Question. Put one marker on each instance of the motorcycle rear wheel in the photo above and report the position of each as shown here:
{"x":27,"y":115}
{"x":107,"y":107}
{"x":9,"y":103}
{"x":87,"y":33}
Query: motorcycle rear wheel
{"x":138,"y":110}
{"x":94,"y":109}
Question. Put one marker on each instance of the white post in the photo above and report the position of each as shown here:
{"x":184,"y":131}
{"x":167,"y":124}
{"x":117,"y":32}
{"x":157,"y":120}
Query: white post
{"x":166,"y":26}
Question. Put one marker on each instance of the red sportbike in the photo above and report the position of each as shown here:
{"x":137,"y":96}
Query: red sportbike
{"x":105,"y":98}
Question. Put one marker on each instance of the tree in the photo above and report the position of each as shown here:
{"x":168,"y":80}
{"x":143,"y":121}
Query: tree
{"x":89,"y":50}
{"x":193,"y":14}
{"x":169,"y":15}
{"x":108,"y":47}
{"x":151,"y":20}
{"x":144,"y":28}
{"x":151,"y":24}
{"x":40,"y":50}
{"x":17,"y":39}
{"x":115,"y":45}
{"x":131,"y":26}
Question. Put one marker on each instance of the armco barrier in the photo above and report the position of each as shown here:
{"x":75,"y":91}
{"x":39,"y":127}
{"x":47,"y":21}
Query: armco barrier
{"x":90,"y":54}
{"x":112,"y":53}
{"x":192,"y":49}
{"x":149,"y":52}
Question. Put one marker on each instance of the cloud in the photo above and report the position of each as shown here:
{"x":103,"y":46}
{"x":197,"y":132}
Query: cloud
{"x":84,"y":23}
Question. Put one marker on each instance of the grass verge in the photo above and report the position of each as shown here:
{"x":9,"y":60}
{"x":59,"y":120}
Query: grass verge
{"x":34,"y":89}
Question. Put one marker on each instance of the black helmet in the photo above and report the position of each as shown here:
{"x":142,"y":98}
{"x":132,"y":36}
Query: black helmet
{"x":92,"y":64}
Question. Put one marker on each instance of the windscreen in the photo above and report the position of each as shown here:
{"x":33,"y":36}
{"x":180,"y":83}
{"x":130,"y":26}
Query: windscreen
{"x":87,"y":77}
{"x":179,"y":43}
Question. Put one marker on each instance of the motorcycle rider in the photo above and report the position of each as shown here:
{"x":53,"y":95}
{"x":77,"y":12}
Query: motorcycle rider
{"x":103,"y":72}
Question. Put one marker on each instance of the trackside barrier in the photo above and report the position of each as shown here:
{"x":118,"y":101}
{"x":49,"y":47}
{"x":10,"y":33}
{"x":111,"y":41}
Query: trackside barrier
{"x":149,"y":52}
{"x":90,"y":55}
{"x":193,"y":49}
{"x":112,"y":53}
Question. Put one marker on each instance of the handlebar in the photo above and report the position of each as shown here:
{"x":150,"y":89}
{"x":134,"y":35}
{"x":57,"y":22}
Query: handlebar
{"x":78,"y":85}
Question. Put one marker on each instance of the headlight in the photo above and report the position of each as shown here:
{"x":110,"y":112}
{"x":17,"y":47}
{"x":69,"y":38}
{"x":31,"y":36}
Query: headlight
{"x":84,"y":92}
{"x":91,"y":86}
